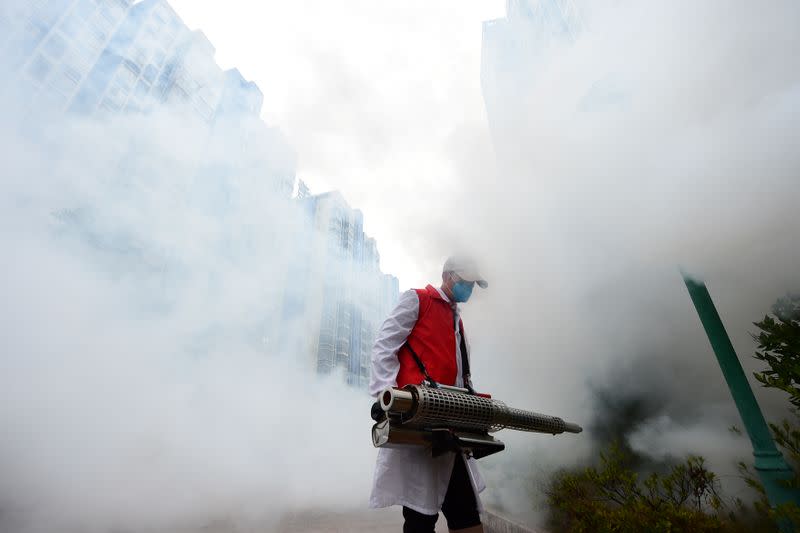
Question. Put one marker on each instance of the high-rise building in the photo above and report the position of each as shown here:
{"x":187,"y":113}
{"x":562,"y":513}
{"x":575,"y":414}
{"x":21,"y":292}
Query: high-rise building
{"x":519,"y":51}
{"x":100,"y":57}
{"x":240,"y":97}
{"x":303,"y":191}
{"x":47,"y":49}
{"x":91,"y":56}
{"x":517,"y":48}
{"x":152,"y":59}
{"x":339,"y":290}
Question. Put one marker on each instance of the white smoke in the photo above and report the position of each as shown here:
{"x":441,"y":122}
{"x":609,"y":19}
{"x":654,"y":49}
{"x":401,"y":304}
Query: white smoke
{"x":145,"y":384}
{"x":140,"y":388}
{"x":598,"y":201}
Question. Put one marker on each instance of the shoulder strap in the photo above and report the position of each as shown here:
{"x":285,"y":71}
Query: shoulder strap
{"x":420,"y":365}
{"x":465,"y":372}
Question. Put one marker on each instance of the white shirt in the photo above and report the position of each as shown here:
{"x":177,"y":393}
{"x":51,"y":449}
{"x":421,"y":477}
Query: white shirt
{"x":410,"y":476}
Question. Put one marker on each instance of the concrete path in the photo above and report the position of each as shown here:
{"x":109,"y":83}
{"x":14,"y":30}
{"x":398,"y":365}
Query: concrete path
{"x":372,"y":520}
{"x":377,"y":521}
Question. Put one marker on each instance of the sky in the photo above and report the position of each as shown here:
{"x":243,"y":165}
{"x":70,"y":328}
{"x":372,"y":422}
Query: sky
{"x":370,"y":95}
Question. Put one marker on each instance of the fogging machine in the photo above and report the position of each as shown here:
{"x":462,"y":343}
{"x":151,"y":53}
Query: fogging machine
{"x":446,"y":418}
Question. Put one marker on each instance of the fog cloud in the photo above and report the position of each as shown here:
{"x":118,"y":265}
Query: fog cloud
{"x":140,"y":390}
{"x":596,"y":205}
{"x":143,"y":386}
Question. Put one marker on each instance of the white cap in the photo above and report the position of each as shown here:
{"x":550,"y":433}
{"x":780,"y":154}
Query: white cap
{"x":465,"y":268}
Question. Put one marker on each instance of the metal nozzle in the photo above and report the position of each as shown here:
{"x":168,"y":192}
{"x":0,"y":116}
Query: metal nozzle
{"x":397,"y":401}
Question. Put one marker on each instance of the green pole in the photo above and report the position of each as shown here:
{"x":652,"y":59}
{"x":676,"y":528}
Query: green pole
{"x":769,"y":462}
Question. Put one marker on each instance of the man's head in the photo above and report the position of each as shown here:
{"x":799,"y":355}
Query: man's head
{"x":459,"y":276}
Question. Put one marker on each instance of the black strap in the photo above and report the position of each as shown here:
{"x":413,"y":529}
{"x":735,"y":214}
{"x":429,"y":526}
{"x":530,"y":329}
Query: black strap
{"x":420,"y":365}
{"x":465,"y":372}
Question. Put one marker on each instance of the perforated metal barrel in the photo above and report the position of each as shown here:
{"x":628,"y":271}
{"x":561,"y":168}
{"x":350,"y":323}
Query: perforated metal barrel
{"x":441,"y":407}
{"x":438,"y":407}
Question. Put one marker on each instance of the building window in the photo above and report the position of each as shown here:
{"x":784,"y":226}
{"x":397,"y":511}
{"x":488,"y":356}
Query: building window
{"x":75,"y":72}
{"x":5,"y":25}
{"x":150,"y":72}
{"x":126,"y":76}
{"x":139,"y":56}
{"x":72,"y":26}
{"x":203,"y":109}
{"x":100,"y":23}
{"x":45,"y":13}
{"x":133,"y":67}
{"x":97,"y":37}
{"x":114,"y":98}
{"x":32,"y":36}
{"x":53,"y":98}
{"x":160,"y":15}
{"x":55,"y":46}
{"x":117,"y":95}
{"x":151,"y":32}
{"x":85,"y":54}
{"x":167,"y":37}
{"x":39,"y":68}
{"x":67,"y":80}
{"x":76,"y":62}
{"x":85,"y":8}
{"x":110,"y":14}
{"x":108,"y":105}
{"x":178,"y":93}
{"x":142,"y":89}
{"x":159,"y":58}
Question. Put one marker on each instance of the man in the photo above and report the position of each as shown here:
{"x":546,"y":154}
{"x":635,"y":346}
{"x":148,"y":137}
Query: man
{"x":426,"y":324}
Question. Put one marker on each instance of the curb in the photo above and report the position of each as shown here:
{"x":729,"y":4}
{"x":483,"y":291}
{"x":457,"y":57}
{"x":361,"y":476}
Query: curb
{"x":493,"y":523}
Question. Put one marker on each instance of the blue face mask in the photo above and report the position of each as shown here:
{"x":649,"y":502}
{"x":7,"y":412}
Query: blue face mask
{"x":462,"y":290}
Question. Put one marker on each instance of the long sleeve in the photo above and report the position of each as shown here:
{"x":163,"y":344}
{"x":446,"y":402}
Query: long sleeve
{"x":390,"y":339}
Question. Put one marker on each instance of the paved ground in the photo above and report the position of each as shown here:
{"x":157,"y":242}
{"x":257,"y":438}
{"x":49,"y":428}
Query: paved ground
{"x":380,"y":521}
{"x":372,"y":521}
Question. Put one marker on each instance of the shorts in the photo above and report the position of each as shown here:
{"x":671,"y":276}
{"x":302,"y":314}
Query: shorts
{"x":459,"y":507}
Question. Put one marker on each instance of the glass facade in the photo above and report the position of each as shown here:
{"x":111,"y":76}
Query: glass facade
{"x":90,"y":56}
{"x":355,"y":297}
{"x":48,"y":49}
{"x":516,"y":49}
{"x":152,"y":59}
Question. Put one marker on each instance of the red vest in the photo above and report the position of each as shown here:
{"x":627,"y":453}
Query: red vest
{"x":434,"y":341}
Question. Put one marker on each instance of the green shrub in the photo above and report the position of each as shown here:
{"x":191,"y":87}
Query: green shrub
{"x":614,"y":498}
{"x":779,"y":347}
